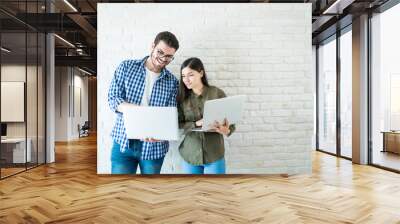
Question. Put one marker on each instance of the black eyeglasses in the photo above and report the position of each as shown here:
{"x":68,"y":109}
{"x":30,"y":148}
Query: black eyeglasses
{"x":162,"y":55}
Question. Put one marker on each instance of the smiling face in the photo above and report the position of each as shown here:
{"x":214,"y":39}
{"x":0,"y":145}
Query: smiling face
{"x":192,"y":78}
{"x":161,"y":55}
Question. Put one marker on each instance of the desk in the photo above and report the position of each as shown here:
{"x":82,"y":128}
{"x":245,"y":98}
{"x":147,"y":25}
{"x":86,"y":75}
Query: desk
{"x":391,"y":141}
{"x":15,"y":148}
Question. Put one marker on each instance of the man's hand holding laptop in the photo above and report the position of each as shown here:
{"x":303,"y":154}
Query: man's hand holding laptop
{"x":150,"y":140}
{"x":124,"y":106}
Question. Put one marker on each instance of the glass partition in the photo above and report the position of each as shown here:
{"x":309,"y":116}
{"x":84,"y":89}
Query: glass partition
{"x":22,"y":87}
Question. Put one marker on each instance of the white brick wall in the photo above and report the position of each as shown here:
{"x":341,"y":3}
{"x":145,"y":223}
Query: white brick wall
{"x":261,"y":50}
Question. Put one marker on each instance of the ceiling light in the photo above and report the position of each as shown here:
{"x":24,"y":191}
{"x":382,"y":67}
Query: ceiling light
{"x":5,"y":50}
{"x":65,"y":41}
{"x":70,"y":5}
{"x":338,"y":6}
{"x":84,"y":71}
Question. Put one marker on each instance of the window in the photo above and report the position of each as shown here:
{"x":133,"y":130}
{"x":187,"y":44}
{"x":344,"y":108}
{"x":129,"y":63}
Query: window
{"x":327,"y":96}
{"x":385,"y":89}
{"x":346,"y":93}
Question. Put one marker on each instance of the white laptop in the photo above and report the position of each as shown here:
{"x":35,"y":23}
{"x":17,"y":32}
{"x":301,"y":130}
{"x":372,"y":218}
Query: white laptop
{"x":160,"y":123}
{"x":230,"y":108}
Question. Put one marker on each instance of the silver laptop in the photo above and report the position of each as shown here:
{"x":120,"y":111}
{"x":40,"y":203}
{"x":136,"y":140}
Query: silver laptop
{"x":230,"y":108}
{"x":160,"y":123}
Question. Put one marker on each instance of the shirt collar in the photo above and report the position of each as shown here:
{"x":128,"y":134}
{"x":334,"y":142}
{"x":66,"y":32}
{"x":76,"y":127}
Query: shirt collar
{"x":203,"y":93}
{"x":162,"y":73}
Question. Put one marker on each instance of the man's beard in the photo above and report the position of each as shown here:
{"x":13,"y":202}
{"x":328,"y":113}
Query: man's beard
{"x":157,"y":63}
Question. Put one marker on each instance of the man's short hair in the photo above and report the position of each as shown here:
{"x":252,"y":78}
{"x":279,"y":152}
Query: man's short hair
{"x":169,"y":38}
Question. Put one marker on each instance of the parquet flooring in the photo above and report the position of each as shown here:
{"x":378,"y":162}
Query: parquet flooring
{"x":70,"y":191}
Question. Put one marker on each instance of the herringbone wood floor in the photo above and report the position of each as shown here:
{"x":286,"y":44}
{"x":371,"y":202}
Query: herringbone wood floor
{"x":70,"y":191}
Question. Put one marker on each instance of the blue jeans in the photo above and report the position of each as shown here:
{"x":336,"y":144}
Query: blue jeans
{"x":217,"y":167}
{"x":128,"y":161}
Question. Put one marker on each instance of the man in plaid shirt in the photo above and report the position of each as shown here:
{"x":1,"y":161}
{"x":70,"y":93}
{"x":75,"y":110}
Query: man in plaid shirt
{"x":144,"y":82}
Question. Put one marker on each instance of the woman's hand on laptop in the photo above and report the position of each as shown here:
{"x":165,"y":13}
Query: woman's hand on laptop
{"x":222,"y":128}
{"x":199,"y":123}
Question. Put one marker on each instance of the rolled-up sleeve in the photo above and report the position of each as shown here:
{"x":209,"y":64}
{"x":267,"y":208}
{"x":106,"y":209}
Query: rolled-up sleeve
{"x":116,"y":92}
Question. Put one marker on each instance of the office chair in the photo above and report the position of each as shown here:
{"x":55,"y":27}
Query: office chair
{"x":84,"y":130}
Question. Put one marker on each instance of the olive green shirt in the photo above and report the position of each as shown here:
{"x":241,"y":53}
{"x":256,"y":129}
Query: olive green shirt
{"x":199,"y":148}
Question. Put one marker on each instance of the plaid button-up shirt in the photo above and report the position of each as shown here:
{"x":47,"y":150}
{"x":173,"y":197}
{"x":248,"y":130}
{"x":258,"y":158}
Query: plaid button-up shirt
{"x":128,"y":86}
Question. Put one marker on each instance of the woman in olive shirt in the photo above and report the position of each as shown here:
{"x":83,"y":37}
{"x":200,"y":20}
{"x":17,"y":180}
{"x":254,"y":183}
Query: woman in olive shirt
{"x":202,"y":152}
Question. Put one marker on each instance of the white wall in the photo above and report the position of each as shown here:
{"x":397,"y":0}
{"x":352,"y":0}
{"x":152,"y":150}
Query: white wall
{"x":67,"y":81}
{"x":61,"y":103}
{"x":80,"y":84}
{"x":261,"y":50}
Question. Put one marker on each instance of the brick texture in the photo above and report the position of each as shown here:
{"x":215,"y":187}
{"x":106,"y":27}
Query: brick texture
{"x":257,"y":49}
